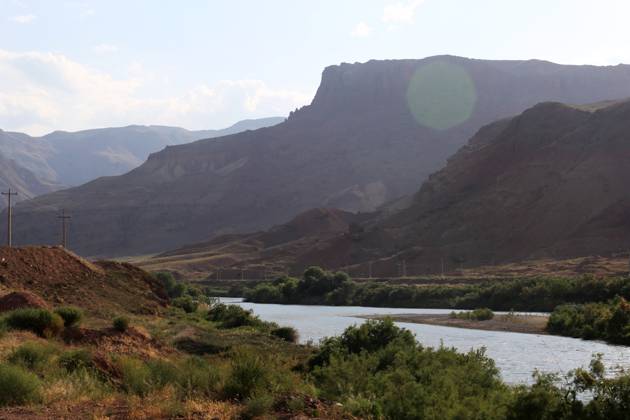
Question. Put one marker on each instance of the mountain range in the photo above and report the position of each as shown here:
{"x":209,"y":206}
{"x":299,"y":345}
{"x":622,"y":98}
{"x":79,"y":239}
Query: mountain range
{"x":62,"y":159}
{"x":550,"y":183}
{"x":373,"y":133}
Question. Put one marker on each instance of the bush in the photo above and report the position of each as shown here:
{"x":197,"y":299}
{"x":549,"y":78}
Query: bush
{"x":32,"y":355}
{"x":286,"y":333}
{"x":605,"y":321}
{"x":17,"y":386}
{"x":120,"y":323}
{"x":71,"y":316}
{"x":257,"y":406}
{"x":233,"y":316}
{"x":481,"y":314}
{"x":249,"y":375}
{"x":135,"y":376}
{"x":186,"y":303}
{"x":40,"y":321}
{"x":198,"y":377}
{"x":75,"y":360}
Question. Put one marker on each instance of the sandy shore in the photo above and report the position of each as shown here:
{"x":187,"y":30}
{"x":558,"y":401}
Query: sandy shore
{"x":528,"y":324}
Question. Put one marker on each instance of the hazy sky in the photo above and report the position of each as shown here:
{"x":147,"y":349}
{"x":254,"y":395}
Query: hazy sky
{"x":208,"y":63}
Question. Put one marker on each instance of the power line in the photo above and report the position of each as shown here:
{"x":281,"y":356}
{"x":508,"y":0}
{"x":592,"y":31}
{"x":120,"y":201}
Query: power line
{"x":64,"y":228}
{"x":8,"y":194}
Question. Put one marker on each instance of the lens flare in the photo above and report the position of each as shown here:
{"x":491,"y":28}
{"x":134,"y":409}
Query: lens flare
{"x":441,"y":95}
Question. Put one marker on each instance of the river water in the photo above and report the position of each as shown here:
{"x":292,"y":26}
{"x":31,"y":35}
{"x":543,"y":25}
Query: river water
{"x":516,"y":355}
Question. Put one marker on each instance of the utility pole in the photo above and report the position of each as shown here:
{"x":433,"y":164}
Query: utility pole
{"x":9,"y":216}
{"x":64,"y":229}
{"x":370,"y":270}
{"x":404,"y":268}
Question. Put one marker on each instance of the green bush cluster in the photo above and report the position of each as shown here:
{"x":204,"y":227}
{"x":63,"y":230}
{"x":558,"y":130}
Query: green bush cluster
{"x":592,"y":321}
{"x":18,"y":386}
{"x":71,"y":316}
{"x":480,"y":314}
{"x":527,"y":294}
{"x":120,"y":323}
{"x":233,"y":316}
{"x":183,"y":296}
{"x":40,"y":321}
{"x":289,"y":334}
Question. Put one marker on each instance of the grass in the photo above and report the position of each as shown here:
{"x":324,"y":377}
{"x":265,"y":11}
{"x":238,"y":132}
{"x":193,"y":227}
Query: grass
{"x":40,"y":321}
{"x":481,"y":314}
{"x":18,"y":386}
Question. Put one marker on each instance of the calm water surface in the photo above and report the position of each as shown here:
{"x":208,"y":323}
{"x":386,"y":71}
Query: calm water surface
{"x":516,"y":355}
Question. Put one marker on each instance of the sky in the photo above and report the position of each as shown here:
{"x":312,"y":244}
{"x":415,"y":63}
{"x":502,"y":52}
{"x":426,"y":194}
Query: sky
{"x":205,"y":64}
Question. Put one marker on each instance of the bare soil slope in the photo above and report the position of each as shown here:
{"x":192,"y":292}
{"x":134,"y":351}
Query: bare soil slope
{"x":62,"y":278}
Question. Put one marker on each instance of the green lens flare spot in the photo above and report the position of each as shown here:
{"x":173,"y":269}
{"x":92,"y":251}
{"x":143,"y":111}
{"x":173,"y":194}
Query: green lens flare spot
{"x":441,"y":95}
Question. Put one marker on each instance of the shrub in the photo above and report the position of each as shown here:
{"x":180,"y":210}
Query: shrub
{"x":18,"y":386}
{"x":257,"y":405}
{"x":481,"y":314}
{"x":71,"y":316}
{"x":233,"y":316}
{"x":186,"y":303}
{"x":120,"y":323}
{"x":40,"y":321}
{"x":286,"y":333}
{"x":74,"y":360}
{"x":135,"y":376}
{"x":197,"y":377}
{"x":248,"y":375}
{"x":32,"y":355}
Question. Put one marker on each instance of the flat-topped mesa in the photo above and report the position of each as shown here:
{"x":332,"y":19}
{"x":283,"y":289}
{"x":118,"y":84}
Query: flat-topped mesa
{"x":372,"y":134}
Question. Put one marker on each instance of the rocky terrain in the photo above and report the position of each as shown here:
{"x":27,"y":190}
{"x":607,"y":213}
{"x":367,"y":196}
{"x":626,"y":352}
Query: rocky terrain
{"x":373,"y":133}
{"x":63,"y":159}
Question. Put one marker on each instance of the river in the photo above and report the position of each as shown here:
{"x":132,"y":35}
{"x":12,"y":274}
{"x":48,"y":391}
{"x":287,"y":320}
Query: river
{"x":516,"y":355}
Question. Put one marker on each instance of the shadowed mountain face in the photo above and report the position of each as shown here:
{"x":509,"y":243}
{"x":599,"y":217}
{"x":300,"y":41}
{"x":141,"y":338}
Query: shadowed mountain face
{"x":25,"y":182}
{"x":69,"y":159}
{"x":374,"y":132}
{"x":551,"y":182}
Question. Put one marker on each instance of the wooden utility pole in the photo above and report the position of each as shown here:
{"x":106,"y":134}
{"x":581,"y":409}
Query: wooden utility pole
{"x":8,"y":194}
{"x":64,"y":228}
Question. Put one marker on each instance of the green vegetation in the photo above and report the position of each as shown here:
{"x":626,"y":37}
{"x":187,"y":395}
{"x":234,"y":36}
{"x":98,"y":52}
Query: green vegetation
{"x":185,"y":296}
{"x":71,"y":316}
{"x":18,"y":386}
{"x":232,"y":316}
{"x":120,"y":323}
{"x":375,"y":370}
{"x":593,"y":321}
{"x":481,"y":314}
{"x":286,"y":333}
{"x":529,"y":294}
{"x":40,"y":321}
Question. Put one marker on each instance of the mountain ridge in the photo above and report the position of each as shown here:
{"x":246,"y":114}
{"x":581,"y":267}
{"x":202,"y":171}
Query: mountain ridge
{"x":369,"y":136}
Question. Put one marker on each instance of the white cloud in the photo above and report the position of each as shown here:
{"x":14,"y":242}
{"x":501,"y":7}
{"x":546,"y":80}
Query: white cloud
{"x":105,"y":48}
{"x":23,"y":19}
{"x":42,"y":92}
{"x":401,"y":12}
{"x":361,"y":30}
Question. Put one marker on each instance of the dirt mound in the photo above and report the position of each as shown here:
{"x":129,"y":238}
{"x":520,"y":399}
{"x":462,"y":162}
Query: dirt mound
{"x":17,"y":300}
{"x":62,"y":278}
{"x":108,"y":341}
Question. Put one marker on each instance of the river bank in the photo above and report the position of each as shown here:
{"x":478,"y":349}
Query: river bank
{"x":526,"y":324}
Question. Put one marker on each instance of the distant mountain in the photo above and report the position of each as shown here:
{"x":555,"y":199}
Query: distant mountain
{"x":374,"y":132}
{"x":70,"y":159}
{"x":26,"y":183}
{"x":551,"y":182}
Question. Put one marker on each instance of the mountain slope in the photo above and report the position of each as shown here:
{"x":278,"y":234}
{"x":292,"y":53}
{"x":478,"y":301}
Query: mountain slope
{"x":75,"y":158}
{"x":373,"y":132}
{"x":551,"y":182}
{"x":20,"y":179}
